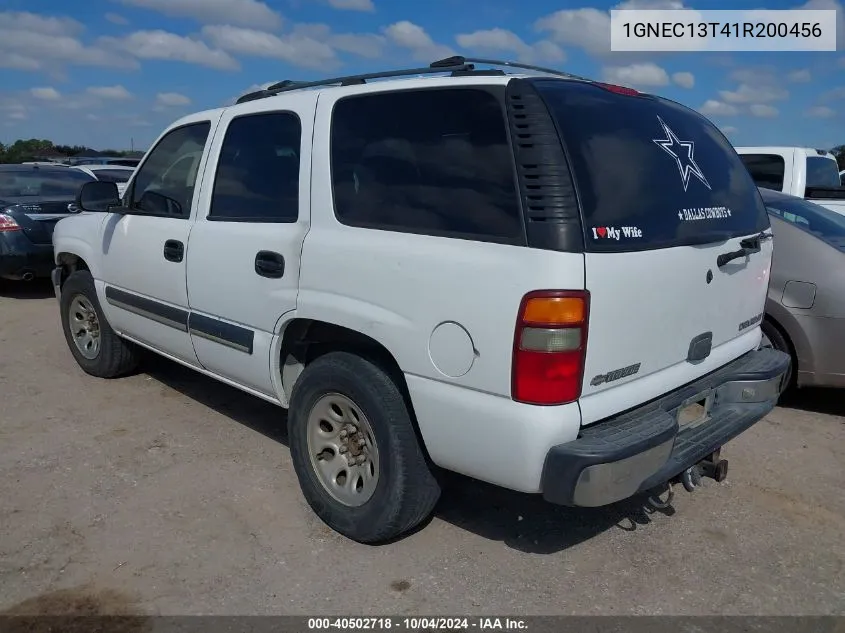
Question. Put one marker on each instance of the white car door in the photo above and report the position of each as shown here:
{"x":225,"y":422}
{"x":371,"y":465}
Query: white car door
{"x":244,"y":249}
{"x":144,"y":243}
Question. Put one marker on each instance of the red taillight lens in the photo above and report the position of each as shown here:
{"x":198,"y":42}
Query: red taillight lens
{"x":549,"y":347}
{"x":7,"y":223}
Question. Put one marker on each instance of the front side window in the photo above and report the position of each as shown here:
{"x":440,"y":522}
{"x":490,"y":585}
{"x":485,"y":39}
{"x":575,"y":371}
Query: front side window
{"x":165,"y":182}
{"x":822,"y":172}
{"x":434,"y":161}
{"x":257,"y":176}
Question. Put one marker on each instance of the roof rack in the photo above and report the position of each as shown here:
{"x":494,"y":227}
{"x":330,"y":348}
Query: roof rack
{"x":456,"y":65}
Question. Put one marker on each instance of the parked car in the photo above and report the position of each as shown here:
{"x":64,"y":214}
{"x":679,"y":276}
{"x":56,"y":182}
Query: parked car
{"x":118,"y":174}
{"x":32,"y":199}
{"x":105,"y":160}
{"x":805,"y":309}
{"x":405,"y":266}
{"x":798,"y":171}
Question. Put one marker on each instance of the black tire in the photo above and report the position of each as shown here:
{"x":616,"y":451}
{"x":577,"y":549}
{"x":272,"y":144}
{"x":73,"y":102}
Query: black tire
{"x":116,"y":356}
{"x":780,"y":343}
{"x":406,"y":491}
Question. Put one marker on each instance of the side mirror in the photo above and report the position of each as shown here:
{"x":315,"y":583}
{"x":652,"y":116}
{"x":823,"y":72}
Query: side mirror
{"x":98,"y":196}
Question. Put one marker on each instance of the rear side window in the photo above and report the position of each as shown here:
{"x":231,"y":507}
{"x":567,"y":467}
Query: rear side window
{"x":822,"y":172}
{"x":650,"y":173}
{"x":825,"y":224}
{"x":258,"y":171}
{"x":767,"y":170}
{"x":435,"y":161}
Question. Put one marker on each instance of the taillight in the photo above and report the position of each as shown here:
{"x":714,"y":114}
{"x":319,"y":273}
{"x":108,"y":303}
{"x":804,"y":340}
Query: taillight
{"x":549,"y":346}
{"x":622,"y":90}
{"x":7,"y":223}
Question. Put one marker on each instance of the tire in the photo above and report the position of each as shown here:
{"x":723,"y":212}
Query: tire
{"x":112,"y":356}
{"x":779,"y":342}
{"x":404,"y":491}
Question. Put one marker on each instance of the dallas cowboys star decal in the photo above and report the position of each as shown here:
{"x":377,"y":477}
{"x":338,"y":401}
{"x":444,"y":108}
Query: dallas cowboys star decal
{"x":684,"y":154}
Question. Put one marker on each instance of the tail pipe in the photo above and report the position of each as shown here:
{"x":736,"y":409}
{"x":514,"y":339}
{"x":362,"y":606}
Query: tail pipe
{"x":28,"y":276}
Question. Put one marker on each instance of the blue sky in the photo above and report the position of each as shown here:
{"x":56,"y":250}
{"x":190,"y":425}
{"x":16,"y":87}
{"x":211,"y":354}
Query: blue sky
{"x":107,"y":73}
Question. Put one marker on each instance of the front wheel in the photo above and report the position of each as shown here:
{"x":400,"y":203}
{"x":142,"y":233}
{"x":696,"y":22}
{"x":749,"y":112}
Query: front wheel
{"x":95,"y":346}
{"x":355,"y":451}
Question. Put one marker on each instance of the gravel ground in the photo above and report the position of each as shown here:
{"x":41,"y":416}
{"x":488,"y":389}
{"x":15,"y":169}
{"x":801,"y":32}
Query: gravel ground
{"x":168,"y":493}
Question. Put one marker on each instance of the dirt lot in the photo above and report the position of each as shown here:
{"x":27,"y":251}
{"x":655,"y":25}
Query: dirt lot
{"x":167,"y":493}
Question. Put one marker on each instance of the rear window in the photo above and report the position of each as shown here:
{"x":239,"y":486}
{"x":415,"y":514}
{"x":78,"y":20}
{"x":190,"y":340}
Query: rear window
{"x":825,"y":224}
{"x":822,"y":172}
{"x":767,"y":170}
{"x":42,"y":183}
{"x":650,"y":173}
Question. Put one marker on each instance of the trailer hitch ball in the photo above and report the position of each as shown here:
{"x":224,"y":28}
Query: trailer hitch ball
{"x":691,"y":478}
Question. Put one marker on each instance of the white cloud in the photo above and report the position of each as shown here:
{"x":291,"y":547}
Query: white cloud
{"x":729,"y":129}
{"x":748,"y":93}
{"x":821,"y":112}
{"x":34,"y":42}
{"x":110,"y":92}
{"x":635,"y":75}
{"x":116,"y":18}
{"x":353,"y":5}
{"x":45,"y":94}
{"x":171,"y":100}
{"x":840,"y":17}
{"x":238,"y":12}
{"x":763,"y":111}
{"x":501,"y":40}
{"x":162,"y":45}
{"x":712,"y":107}
{"x":368,"y":45}
{"x":800,"y":76}
{"x":18,"y":115}
{"x":414,"y":38}
{"x":589,"y":28}
{"x":684,"y":80}
{"x":297,"y":49}
{"x":42,"y":24}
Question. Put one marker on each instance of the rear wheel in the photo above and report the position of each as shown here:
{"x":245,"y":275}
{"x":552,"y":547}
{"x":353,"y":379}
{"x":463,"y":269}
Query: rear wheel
{"x":774,"y":338}
{"x":95,"y":346}
{"x":355,"y":451}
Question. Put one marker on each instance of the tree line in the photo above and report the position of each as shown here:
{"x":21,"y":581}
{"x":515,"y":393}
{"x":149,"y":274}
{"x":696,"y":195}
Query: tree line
{"x":34,"y":149}
{"x":41,"y":149}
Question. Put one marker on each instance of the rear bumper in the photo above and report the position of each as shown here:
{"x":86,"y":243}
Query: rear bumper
{"x":19,"y":256}
{"x":643,"y":448}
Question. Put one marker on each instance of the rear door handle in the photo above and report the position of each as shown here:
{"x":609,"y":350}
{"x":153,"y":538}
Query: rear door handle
{"x":270,"y":264}
{"x":174,"y":250}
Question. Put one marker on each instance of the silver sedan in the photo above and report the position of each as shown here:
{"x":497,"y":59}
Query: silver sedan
{"x":805,"y":309}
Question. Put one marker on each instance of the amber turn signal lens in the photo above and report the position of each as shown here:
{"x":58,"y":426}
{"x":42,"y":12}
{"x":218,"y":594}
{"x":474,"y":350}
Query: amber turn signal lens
{"x":554,"y":310}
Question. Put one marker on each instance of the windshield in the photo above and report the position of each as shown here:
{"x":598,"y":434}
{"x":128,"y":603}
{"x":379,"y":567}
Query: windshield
{"x":813,"y":218}
{"x":649,"y":172}
{"x":42,"y":183}
{"x":822,"y":172}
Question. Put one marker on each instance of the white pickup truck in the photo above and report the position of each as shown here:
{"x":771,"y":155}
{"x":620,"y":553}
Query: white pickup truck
{"x":808,"y":173}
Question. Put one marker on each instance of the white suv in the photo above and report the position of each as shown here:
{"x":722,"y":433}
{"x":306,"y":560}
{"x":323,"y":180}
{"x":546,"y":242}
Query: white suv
{"x":458,"y":271}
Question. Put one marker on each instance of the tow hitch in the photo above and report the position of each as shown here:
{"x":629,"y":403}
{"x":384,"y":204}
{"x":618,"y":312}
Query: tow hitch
{"x":711,"y":466}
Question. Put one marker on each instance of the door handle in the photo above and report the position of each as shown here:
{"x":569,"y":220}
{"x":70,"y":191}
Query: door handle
{"x":174,"y":250}
{"x":270,"y":264}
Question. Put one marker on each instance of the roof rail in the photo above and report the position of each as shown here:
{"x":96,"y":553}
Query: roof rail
{"x":457,"y":65}
{"x":459,"y":59}
{"x":350,"y":80}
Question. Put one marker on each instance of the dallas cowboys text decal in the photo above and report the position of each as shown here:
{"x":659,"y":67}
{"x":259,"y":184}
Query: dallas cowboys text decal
{"x":704,"y":213}
{"x":613,"y":233}
{"x":684,"y":154}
